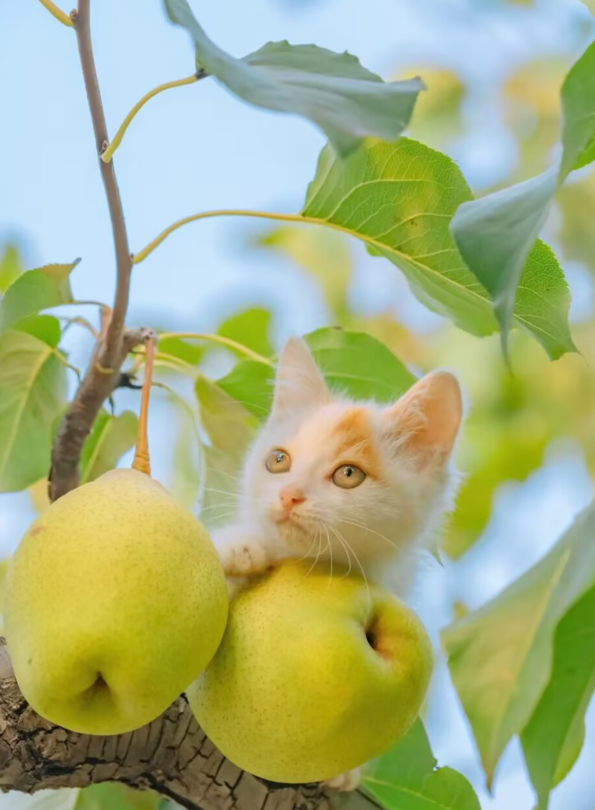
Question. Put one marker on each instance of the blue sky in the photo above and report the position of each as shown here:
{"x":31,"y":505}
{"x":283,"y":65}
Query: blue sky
{"x":197,"y":148}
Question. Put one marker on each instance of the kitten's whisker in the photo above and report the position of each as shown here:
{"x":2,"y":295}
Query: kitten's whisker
{"x":373,"y":531}
{"x":361,"y":568}
{"x":232,"y":495}
{"x":307,"y":554}
{"x":345,"y":547}
{"x":319,"y":535}
{"x":329,"y":547}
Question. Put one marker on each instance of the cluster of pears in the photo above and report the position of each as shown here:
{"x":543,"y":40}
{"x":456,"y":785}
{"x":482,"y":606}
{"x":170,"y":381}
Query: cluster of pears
{"x":116,"y":603}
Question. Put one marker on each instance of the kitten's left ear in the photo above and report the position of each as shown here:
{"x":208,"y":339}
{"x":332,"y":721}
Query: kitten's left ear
{"x":299,"y":383}
{"x":426,"y":420}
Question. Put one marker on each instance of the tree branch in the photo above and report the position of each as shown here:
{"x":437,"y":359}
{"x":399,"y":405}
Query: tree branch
{"x":171,"y":755}
{"x":108,"y":175}
{"x":114,"y":343}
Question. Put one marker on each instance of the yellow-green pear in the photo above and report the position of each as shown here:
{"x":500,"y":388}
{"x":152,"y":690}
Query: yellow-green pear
{"x":115,"y":601}
{"x":315,"y":675}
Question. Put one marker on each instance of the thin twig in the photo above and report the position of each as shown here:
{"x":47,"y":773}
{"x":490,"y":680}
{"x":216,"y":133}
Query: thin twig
{"x":114,"y":342}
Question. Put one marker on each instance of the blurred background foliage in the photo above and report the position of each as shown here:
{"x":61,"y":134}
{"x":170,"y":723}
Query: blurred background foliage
{"x":505,"y":117}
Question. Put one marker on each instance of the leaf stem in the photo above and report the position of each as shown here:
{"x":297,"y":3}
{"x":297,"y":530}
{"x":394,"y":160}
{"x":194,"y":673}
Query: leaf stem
{"x":79,"y":322}
{"x":166,"y":361}
{"x":142,"y":461}
{"x":224,"y":341}
{"x":88,"y":303}
{"x":107,"y":154}
{"x":57,"y":13}
{"x":223,"y":212}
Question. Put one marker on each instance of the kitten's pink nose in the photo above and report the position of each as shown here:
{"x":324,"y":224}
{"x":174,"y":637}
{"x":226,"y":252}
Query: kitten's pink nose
{"x":290,"y":497}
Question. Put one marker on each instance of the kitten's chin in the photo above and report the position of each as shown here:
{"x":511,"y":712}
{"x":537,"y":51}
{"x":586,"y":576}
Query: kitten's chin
{"x":297,"y":534}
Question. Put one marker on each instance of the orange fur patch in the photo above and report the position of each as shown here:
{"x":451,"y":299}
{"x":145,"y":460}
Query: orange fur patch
{"x":355,"y":442}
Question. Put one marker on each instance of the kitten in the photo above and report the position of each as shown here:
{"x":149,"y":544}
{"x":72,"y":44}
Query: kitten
{"x":354,"y":483}
{"x":351,"y":482}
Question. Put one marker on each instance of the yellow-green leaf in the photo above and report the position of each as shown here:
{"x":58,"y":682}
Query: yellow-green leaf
{"x":35,"y":290}
{"x":249,"y":328}
{"x":399,"y":199}
{"x":352,"y":362}
{"x":109,"y":439}
{"x":32,"y":394}
{"x":500,"y":656}
{"x":10,"y":266}
{"x":406,"y":778}
{"x":553,"y":739}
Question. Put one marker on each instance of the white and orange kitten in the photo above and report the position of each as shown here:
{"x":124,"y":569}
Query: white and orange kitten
{"x":355,"y":483}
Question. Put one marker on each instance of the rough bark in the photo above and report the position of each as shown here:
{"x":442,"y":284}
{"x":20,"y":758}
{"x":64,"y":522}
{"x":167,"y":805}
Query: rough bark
{"x":171,"y":755}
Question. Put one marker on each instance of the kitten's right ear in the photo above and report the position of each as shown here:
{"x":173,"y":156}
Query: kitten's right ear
{"x":299,"y":383}
{"x":427,"y":419}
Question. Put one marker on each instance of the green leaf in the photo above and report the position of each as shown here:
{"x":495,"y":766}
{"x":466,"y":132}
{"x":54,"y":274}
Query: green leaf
{"x":230,"y":428}
{"x":399,"y":200}
{"x":555,"y":734}
{"x":587,"y":155}
{"x":251,"y":384}
{"x":112,"y":796}
{"x":251,"y":329}
{"x":578,"y":113}
{"x":43,"y":327}
{"x":495,"y":234}
{"x":36,"y":290}
{"x":181,"y":350}
{"x":406,"y":778}
{"x":109,"y":439}
{"x":500,"y":656}
{"x":10,"y":266}
{"x":352,"y":362}
{"x":32,"y":394}
{"x":332,"y":90}
{"x":359,"y":365}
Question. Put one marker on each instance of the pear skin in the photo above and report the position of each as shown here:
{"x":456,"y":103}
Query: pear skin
{"x":115,"y":601}
{"x":316,"y":675}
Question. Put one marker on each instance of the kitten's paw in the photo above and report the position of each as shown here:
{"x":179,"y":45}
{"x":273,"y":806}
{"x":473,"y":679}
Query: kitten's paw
{"x":245,"y":559}
{"x":345,"y":782}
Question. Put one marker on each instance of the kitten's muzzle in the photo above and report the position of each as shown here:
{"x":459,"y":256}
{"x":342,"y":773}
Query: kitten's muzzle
{"x":290,"y":497}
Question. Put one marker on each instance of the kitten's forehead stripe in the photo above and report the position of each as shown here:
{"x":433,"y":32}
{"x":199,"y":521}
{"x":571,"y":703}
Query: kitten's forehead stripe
{"x":355,"y":440}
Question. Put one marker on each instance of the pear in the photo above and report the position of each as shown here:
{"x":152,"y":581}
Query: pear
{"x":115,"y":601}
{"x":316,"y":674}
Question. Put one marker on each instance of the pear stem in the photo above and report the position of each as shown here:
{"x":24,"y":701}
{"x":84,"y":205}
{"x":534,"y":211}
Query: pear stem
{"x":142,"y":461}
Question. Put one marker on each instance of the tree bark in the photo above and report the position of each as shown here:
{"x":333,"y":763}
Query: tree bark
{"x":171,"y":756}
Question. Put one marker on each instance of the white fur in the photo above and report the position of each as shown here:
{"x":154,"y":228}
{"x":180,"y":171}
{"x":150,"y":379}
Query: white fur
{"x":377,"y":528}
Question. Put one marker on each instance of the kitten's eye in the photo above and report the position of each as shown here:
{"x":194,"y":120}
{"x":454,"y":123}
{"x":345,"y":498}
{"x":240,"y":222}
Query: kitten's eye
{"x":348,"y":476}
{"x":278,"y":461}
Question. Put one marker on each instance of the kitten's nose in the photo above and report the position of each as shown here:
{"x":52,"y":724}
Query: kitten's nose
{"x":290,"y":497}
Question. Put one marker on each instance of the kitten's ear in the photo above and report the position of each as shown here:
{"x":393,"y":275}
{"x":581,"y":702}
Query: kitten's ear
{"x":299,"y":383}
{"x":426,"y":420}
